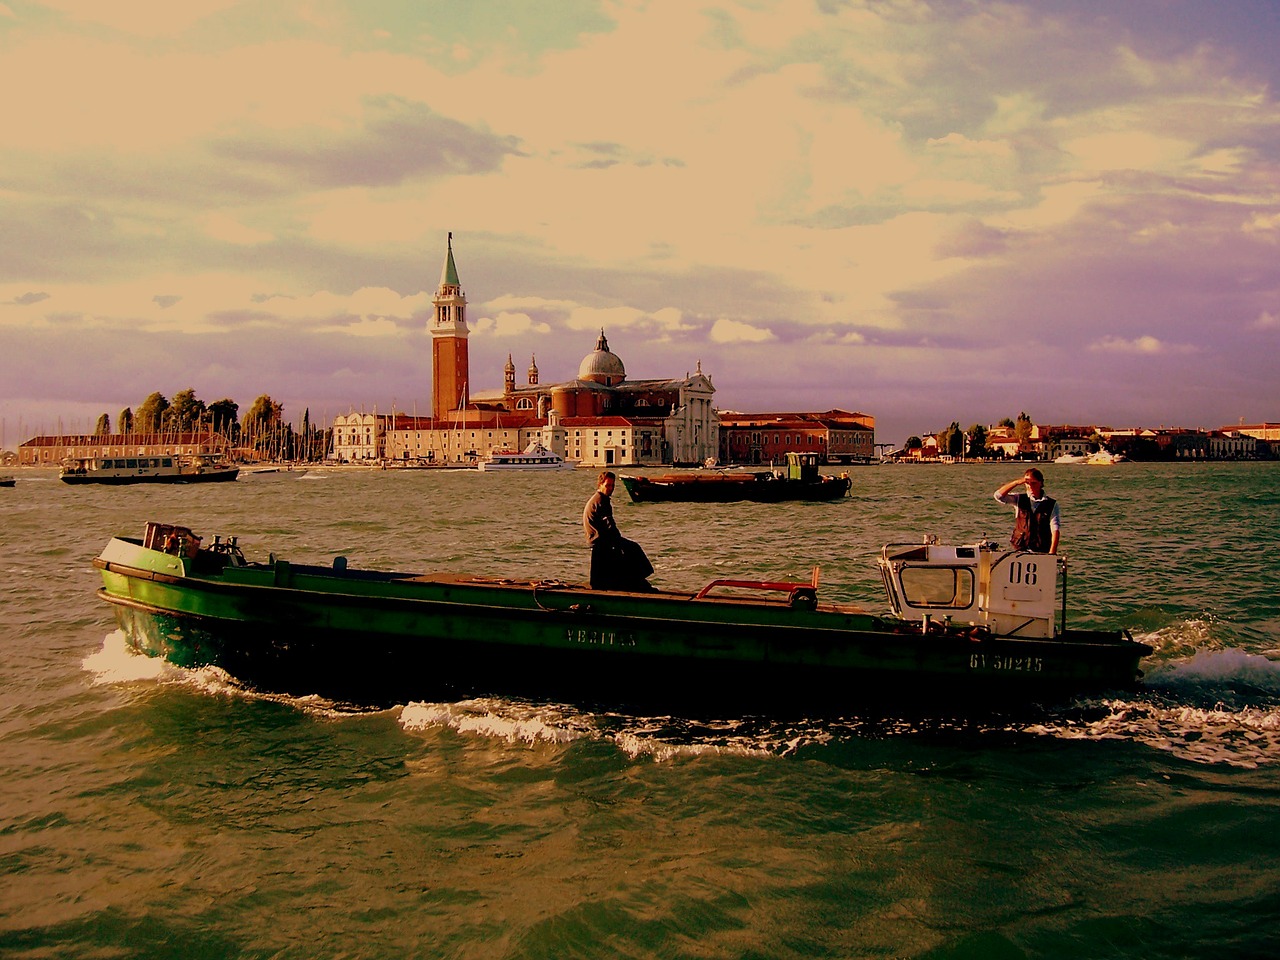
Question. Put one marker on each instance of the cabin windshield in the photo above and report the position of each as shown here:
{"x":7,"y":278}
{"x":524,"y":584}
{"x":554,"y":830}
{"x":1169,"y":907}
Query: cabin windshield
{"x":932,"y":586}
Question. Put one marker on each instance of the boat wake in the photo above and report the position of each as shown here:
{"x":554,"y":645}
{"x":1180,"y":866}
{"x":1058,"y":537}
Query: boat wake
{"x":1214,"y":707}
{"x":117,"y":664}
{"x":1211,"y":707}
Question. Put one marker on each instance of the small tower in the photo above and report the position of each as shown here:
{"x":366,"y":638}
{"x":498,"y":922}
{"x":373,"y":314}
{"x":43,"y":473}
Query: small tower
{"x":509,"y":377}
{"x":450,"y":366}
{"x":533,"y":372}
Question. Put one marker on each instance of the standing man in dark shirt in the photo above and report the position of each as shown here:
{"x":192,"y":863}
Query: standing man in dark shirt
{"x":616,"y":562}
{"x":1037,"y":524}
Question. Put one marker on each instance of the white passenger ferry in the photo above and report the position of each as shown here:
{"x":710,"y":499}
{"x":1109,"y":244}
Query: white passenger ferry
{"x":534,"y":457}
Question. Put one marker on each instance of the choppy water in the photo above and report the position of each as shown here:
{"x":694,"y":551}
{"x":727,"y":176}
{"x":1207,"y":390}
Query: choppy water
{"x":151,"y":812}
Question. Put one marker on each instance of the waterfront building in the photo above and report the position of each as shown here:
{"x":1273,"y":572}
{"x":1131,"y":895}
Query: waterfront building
{"x":49,"y":451}
{"x":359,"y":436}
{"x":599,"y":418}
{"x":1232,"y":445}
{"x":759,"y":438}
{"x":1267,"y":432}
{"x":590,"y":441}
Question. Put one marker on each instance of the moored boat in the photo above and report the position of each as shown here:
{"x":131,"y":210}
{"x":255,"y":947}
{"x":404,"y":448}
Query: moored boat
{"x":1072,"y":458}
{"x":535,"y":456}
{"x":286,"y":472}
{"x":971,"y":622}
{"x":800,"y":481}
{"x":1106,"y":458}
{"x":7,"y":481}
{"x":169,"y":468}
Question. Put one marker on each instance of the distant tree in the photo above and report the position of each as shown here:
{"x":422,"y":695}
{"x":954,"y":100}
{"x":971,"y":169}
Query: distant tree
{"x":224,"y":417}
{"x":308,"y":436}
{"x":264,"y":414}
{"x":104,"y":426}
{"x":913,"y":443}
{"x":124,"y":421}
{"x":1022,"y":429}
{"x":263,"y":428}
{"x":977,"y":440}
{"x":150,"y":415}
{"x":951,"y":440}
{"x":1006,"y":422}
{"x":185,"y":412}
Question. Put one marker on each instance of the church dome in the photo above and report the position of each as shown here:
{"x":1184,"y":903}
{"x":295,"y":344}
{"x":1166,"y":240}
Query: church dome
{"x":601,"y":365}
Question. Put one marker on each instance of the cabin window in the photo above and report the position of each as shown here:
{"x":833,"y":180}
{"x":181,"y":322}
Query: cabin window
{"x":950,"y":587}
{"x":132,"y":463}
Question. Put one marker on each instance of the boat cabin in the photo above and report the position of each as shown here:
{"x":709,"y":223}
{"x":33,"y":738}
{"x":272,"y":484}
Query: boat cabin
{"x":81,"y":466}
{"x":1010,"y":592}
{"x":803,"y":466}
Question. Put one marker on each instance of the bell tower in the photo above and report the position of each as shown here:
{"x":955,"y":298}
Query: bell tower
{"x":450,"y":366}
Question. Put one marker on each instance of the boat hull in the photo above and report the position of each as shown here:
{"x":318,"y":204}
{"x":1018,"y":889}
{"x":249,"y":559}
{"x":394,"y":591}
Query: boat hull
{"x":386,"y":638}
{"x":729,"y":488}
{"x":115,"y":480}
{"x":485,"y":466}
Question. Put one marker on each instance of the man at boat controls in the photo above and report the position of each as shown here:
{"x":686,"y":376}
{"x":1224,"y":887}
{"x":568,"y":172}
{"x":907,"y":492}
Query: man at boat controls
{"x":616,"y":562}
{"x":1037,"y":523}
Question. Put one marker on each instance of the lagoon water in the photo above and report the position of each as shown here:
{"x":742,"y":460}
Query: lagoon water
{"x":147,"y":811}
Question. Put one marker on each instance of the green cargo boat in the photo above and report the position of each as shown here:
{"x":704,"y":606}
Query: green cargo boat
{"x":969,"y":624}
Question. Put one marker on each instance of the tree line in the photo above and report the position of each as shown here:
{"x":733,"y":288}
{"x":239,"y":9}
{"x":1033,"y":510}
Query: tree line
{"x":972,"y":443}
{"x":262,"y":429}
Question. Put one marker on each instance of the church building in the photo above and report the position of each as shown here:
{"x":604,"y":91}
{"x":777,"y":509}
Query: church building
{"x":599,"y":418}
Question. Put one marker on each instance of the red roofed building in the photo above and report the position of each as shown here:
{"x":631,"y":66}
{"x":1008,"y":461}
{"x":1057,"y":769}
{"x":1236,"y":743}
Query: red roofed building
{"x":47,"y":451}
{"x":758,"y":438}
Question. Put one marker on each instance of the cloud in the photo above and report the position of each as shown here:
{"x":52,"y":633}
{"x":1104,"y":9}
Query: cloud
{"x":672,"y":320}
{"x":1140,"y":345}
{"x":146,"y":18}
{"x":1267,"y":321}
{"x":510,"y":324}
{"x":725,"y":330}
{"x":1265,"y":226}
{"x":227,"y":229}
{"x":389,"y":140}
{"x":366,"y":327}
{"x":602,"y":318}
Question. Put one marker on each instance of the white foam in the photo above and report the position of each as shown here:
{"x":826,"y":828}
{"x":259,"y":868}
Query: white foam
{"x":1219,"y":667}
{"x":117,"y":662}
{"x":498,"y":719}
{"x":637,"y":744}
{"x":1248,"y":737}
{"x":520,"y":722}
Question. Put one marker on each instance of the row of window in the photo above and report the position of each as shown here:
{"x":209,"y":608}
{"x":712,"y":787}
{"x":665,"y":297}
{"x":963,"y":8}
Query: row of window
{"x":136,"y":463}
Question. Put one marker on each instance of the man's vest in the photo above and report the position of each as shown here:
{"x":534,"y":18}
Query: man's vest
{"x":1031,"y":530}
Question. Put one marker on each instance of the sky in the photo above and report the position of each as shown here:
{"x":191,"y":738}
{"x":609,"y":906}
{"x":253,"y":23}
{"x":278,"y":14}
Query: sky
{"x":930,"y":211}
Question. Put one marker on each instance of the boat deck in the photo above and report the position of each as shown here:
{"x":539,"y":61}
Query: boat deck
{"x":738,"y":596}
